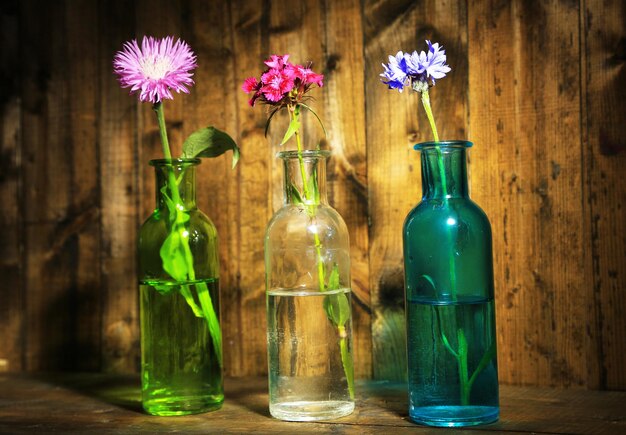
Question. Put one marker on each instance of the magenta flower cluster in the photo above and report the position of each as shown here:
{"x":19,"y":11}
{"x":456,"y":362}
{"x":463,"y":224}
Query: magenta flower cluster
{"x":155,"y":69}
{"x":282,"y":84}
{"x":416,"y":70}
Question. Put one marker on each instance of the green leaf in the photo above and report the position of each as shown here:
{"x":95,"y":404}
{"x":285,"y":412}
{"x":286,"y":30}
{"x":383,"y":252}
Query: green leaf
{"x":333,"y":279}
{"x":173,"y":256}
{"x":294,"y":126}
{"x":210,"y":142}
{"x":346,"y":360}
{"x":428,"y":279}
{"x":336,"y":306}
{"x":314,"y":191}
{"x":296,"y":198}
{"x":487,"y":356}
{"x":267,"y":124}
{"x":315,"y":114}
{"x":186,"y":292}
{"x":172,"y":251}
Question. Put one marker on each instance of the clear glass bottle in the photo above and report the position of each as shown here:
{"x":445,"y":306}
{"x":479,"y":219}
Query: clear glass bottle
{"x":181,"y":354}
{"x":307,"y":266}
{"x":450,"y":316}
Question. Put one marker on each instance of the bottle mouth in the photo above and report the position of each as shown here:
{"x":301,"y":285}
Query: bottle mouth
{"x":306,"y":154}
{"x":175,"y":162}
{"x":443,"y":144}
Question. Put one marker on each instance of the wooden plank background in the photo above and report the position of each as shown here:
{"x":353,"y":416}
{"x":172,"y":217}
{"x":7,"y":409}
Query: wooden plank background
{"x":540,"y":87}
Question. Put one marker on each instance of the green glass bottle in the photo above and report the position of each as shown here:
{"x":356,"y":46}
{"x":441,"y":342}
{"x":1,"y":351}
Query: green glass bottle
{"x":181,"y":349}
{"x":451,"y":342}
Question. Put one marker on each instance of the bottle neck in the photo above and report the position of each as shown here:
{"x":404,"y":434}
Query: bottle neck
{"x":176,"y":182}
{"x":444,"y":172}
{"x":305,"y":177}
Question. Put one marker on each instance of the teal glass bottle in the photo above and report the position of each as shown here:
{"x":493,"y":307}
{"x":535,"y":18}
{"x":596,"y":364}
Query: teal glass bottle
{"x":450,"y":317}
{"x":181,"y":354}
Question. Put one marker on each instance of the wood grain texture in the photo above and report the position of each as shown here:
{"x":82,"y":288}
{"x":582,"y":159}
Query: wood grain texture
{"x":11,"y":258}
{"x":344,"y":109}
{"x":528,"y":177}
{"x":61,"y":234}
{"x":245,"y":306}
{"x":538,"y":86}
{"x":110,"y":404}
{"x":388,"y":26}
{"x":604,"y":157}
{"x":120,"y":196}
{"x":46,"y":178}
{"x":81,"y":45}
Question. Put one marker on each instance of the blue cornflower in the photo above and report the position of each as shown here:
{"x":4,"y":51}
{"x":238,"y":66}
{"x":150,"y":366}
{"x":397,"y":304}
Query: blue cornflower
{"x":430,"y":65}
{"x":417,"y":69}
{"x":396,"y":72}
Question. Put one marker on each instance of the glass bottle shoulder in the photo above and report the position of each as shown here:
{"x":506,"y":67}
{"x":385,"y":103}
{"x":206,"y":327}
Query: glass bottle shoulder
{"x":156,"y":228}
{"x":441,"y":213}
{"x":301,"y":221}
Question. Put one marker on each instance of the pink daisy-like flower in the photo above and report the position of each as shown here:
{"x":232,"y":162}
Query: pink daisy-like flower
{"x":307,"y":76}
{"x":155,"y":69}
{"x":276,"y":61}
{"x":249,"y":85}
{"x":276,"y":83}
{"x":282,"y":84}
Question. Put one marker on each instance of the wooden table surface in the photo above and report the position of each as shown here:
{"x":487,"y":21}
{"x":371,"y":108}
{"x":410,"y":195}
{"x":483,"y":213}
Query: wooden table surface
{"x":109,"y":404}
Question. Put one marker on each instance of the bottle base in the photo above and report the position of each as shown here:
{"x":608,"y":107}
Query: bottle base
{"x":311,"y":410}
{"x":454,"y":416}
{"x":166,"y":407}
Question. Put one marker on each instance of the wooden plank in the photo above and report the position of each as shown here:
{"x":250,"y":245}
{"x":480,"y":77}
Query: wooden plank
{"x":11,"y":259}
{"x":47,"y":187}
{"x":526,"y":174}
{"x":344,"y":108}
{"x":110,"y":404}
{"x":395,"y":122}
{"x":60,"y":202}
{"x":246,"y":319}
{"x":604,"y":186}
{"x":119,"y":193}
{"x":84,"y":294}
{"x":206,"y":27}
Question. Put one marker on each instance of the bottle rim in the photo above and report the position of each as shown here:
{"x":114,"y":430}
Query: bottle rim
{"x":443,"y":144}
{"x":176,"y":162}
{"x":306,"y":154}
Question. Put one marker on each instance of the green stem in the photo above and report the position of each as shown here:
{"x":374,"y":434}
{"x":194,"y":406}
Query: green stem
{"x":444,"y":339}
{"x":444,"y":183}
{"x":346,"y":360}
{"x":177,"y":223}
{"x":491,"y":352}
{"x":158,"y":108}
{"x":444,"y":187}
{"x":429,"y":114}
{"x":462,"y":364}
{"x":310,"y":207}
{"x":310,"y":204}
